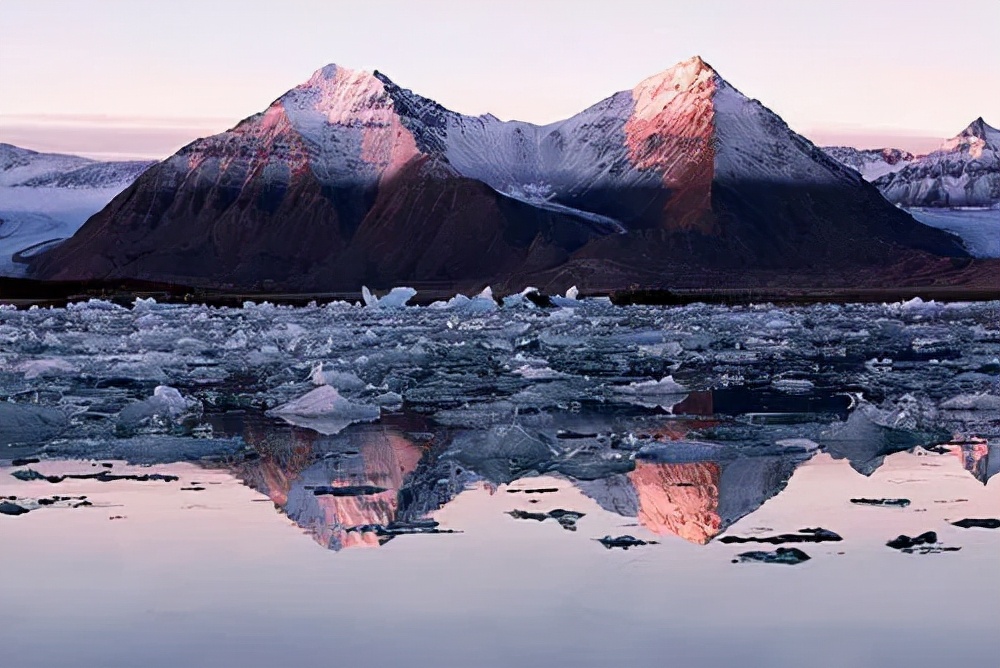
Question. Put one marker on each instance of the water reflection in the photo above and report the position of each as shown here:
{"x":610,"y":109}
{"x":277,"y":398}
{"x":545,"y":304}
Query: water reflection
{"x":370,"y":483}
{"x":978,"y":457}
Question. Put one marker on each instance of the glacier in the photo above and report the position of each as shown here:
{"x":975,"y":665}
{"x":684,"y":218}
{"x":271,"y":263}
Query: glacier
{"x":46,"y":197}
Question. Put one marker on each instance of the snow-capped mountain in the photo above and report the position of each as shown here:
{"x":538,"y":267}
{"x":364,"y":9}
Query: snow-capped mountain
{"x":46,"y":197}
{"x":349,"y":179}
{"x":18,"y":165}
{"x":871,"y":163}
{"x":964,"y":172}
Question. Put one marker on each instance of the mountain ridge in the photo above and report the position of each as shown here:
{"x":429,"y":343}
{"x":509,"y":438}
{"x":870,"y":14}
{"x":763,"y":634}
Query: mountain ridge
{"x":350,"y":179}
{"x":963,"y":172}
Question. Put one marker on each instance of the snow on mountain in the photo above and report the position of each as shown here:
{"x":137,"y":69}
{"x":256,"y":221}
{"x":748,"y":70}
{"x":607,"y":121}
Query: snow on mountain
{"x":964,"y":172}
{"x":349,"y":179}
{"x":956,"y":188}
{"x":46,"y":197}
{"x":871,"y":163}
{"x":18,"y":165}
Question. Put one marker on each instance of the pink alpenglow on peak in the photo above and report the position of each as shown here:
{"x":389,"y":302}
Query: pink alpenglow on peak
{"x":671,"y":130}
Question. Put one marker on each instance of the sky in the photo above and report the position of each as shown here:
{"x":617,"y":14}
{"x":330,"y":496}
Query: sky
{"x":127,"y":78}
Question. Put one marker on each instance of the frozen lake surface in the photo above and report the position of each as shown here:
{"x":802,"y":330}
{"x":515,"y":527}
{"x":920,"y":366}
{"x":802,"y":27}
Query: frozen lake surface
{"x":431,"y":486}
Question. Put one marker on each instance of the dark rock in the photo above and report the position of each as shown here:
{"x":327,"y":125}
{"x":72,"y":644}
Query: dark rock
{"x":540,"y":490}
{"x":349,"y":490}
{"x":566,"y":518}
{"x":906,"y":542}
{"x":8,"y":508}
{"x":25,"y":461}
{"x":925,"y":543}
{"x":538,"y":299}
{"x":572,"y":435}
{"x":28,"y":475}
{"x":624,"y":542}
{"x":387,"y":532}
{"x":783,"y":555}
{"x":102,"y":476}
{"x":526,"y":515}
{"x":817,"y":535}
{"x":978,"y":523}
{"x":898,"y":503}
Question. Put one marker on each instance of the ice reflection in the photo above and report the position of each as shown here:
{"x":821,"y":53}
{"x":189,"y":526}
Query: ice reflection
{"x":371,"y":483}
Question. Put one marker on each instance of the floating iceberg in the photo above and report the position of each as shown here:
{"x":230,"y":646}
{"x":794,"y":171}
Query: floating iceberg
{"x":166,"y":411}
{"x":345,"y":381}
{"x":324,"y":410}
{"x":397,"y":297}
{"x":665,"y":393}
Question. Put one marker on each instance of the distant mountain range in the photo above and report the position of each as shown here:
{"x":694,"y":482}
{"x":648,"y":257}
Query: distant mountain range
{"x":871,"y":163}
{"x":46,"y":197}
{"x":350,"y":180}
{"x":964,"y":172}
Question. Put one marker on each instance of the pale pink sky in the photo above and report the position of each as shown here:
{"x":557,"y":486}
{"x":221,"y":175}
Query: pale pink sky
{"x":118,"y":77}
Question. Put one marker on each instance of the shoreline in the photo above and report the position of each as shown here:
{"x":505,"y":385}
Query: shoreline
{"x":25,"y":293}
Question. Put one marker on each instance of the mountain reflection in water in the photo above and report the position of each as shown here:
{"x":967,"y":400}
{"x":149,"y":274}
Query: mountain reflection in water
{"x":371,"y":483}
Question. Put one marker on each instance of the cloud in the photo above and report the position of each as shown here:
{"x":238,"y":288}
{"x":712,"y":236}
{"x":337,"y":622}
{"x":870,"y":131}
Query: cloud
{"x":107,"y":137}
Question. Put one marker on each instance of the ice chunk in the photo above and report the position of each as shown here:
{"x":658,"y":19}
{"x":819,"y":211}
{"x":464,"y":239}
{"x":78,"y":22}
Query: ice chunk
{"x":28,"y":423}
{"x":973,"y":402}
{"x":520,"y":299}
{"x":146,"y":449}
{"x":324,"y":410}
{"x":170,"y":398}
{"x":44,"y":367}
{"x":368,"y":297}
{"x":918,"y":306}
{"x":793,"y":385}
{"x":665,"y":392}
{"x":166,"y":411}
{"x":666,"y":385}
{"x":344,"y":381}
{"x":397,"y":297}
{"x":789,"y":556}
{"x":481,"y":303}
{"x":569,"y":300}
{"x":537,"y":373}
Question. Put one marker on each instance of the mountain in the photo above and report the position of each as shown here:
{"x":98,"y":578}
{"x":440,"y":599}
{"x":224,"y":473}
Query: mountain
{"x":46,"y":197}
{"x":18,"y":165}
{"x":871,"y":163}
{"x":964,"y":172}
{"x":349,"y":179}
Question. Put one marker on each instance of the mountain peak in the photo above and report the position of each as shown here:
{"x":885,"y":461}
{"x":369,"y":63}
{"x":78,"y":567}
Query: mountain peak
{"x":980,"y":129}
{"x":329,"y":72}
{"x":697,"y":62}
{"x":974,"y":139}
{"x":687,"y":75}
